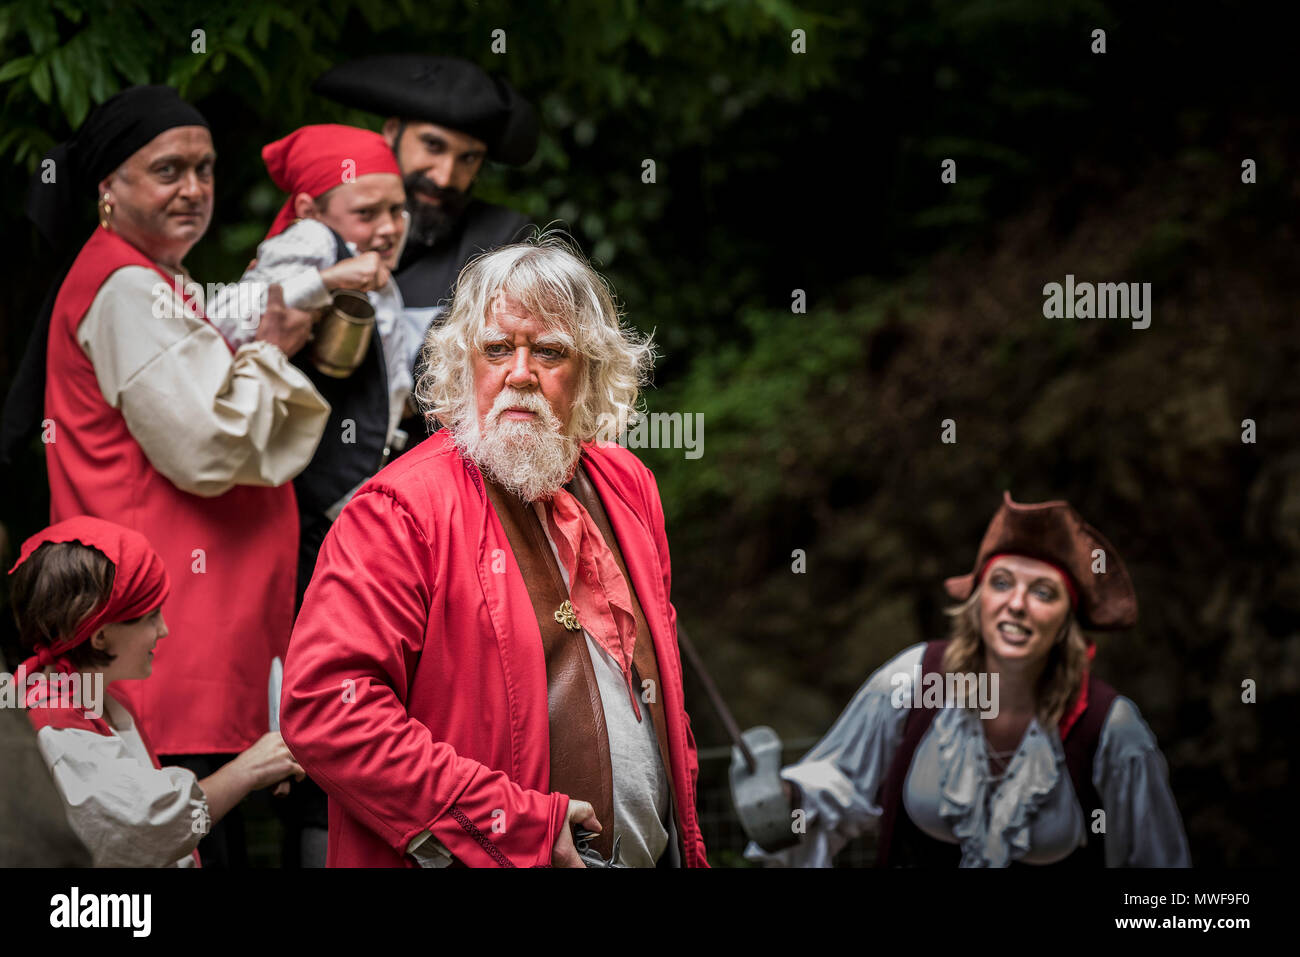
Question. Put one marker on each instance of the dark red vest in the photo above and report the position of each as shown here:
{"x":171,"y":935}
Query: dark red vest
{"x":903,"y":844}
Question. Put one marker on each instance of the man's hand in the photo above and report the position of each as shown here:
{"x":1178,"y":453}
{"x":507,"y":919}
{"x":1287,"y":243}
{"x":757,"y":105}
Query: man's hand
{"x":565,"y":854}
{"x":362,"y":273}
{"x":284,"y":327}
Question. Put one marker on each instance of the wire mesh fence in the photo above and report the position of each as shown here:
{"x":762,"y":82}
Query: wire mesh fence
{"x":723,"y":836}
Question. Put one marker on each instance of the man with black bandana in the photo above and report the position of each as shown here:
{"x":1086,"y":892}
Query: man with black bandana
{"x":445,"y":118}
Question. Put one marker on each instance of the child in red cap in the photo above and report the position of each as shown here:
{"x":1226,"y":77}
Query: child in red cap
{"x":87,"y":596}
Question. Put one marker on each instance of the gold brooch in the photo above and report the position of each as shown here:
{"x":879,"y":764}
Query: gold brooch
{"x":565,"y":616}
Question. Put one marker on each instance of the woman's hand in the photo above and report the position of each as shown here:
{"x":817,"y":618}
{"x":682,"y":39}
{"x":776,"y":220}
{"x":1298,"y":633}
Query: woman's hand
{"x":362,"y":273}
{"x":565,"y":853}
{"x":289,"y":329}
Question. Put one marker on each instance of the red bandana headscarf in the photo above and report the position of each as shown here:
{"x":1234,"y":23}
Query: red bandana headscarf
{"x":140,"y":583}
{"x":315,"y":159}
{"x":599,"y":592}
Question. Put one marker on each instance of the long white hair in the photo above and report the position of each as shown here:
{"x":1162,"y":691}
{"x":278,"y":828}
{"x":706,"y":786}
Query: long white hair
{"x":553,"y":280}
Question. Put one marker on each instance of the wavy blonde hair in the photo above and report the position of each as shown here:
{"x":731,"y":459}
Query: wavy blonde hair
{"x":555,"y":282}
{"x":1059,"y":683}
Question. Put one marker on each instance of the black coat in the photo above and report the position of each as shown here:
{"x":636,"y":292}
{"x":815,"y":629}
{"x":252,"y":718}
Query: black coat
{"x":427,"y":273}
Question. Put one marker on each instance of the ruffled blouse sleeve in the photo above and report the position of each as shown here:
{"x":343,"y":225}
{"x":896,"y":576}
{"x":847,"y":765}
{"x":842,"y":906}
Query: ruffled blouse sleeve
{"x":127,"y":813}
{"x":294,"y":260}
{"x":839,"y":779}
{"x":205,"y":419}
{"x":1143,"y":826}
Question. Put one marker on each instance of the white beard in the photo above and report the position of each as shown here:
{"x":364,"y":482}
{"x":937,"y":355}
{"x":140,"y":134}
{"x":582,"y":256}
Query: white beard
{"x":530,"y":459}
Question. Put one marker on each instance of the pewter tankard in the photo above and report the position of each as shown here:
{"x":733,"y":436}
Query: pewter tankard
{"x":343,"y":334}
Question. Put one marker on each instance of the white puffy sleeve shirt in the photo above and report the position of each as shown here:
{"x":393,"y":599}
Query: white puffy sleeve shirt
{"x":127,"y":812}
{"x":294,"y":260}
{"x":1033,"y":815}
{"x":205,"y":419}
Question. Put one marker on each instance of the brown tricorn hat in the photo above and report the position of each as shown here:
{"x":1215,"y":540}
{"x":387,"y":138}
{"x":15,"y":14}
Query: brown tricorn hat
{"x":1054,"y":532}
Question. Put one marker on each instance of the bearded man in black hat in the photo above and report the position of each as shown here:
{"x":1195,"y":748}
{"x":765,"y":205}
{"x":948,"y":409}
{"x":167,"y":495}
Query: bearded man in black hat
{"x":445,"y":118}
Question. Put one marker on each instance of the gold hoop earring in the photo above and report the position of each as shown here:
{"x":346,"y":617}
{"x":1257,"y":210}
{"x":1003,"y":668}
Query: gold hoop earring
{"x":106,"y":212}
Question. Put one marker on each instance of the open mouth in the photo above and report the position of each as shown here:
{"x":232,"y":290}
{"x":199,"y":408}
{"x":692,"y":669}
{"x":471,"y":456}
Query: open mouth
{"x":1014,"y":633}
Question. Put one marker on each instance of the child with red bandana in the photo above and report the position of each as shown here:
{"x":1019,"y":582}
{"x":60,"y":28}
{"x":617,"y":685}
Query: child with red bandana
{"x":87,"y":597}
{"x":345,"y":195}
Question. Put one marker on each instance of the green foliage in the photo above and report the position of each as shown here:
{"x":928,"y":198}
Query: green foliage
{"x":820,"y":171}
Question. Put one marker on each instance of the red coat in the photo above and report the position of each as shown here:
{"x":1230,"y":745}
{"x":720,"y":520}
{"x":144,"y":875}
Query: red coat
{"x":415,"y":687}
{"x":208,"y":689}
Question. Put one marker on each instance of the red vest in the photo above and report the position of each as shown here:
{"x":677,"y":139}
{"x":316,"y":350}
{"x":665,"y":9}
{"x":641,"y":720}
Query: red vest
{"x":231,"y":605}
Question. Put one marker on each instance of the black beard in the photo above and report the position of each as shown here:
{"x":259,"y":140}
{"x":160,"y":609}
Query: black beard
{"x":431,"y":223}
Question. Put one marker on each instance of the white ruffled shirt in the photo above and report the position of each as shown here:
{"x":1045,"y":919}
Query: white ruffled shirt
{"x":127,"y":812}
{"x":1032,"y":816}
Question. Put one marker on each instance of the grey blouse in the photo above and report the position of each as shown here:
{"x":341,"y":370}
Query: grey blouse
{"x":1032,"y":815}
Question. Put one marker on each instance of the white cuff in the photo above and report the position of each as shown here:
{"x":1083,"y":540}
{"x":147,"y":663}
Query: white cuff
{"x":306,"y":290}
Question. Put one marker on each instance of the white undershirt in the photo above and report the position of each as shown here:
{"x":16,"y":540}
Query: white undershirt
{"x":642,"y":800}
{"x":641,"y":796}
{"x":127,"y":812}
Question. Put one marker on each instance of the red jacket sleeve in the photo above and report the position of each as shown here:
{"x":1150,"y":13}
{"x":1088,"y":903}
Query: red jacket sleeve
{"x":356,"y":644}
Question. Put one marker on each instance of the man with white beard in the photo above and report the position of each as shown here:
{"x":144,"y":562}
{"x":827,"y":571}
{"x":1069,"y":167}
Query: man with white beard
{"x":486,"y":658}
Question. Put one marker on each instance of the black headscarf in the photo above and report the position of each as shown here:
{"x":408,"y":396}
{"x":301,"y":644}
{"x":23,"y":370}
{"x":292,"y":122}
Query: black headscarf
{"x":111,"y":134}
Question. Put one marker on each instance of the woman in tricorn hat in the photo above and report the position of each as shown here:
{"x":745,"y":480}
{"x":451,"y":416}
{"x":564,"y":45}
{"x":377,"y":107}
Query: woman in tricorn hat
{"x":1048,"y":766}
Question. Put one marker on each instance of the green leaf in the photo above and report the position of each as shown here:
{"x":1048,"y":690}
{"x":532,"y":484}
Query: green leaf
{"x":183,"y":72}
{"x":16,"y":67}
{"x":40,"y":81}
{"x":62,"y":78}
{"x":42,"y":30}
{"x":73,"y":97}
{"x":78,"y":106}
{"x":69,"y":10}
{"x":262,"y":28}
{"x":101,"y":79}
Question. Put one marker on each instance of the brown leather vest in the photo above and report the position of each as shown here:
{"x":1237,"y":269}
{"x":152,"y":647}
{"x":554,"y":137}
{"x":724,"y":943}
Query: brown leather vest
{"x":580,"y":762}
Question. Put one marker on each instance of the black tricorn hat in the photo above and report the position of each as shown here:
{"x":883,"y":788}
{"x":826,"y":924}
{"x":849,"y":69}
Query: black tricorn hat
{"x":445,"y":90}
